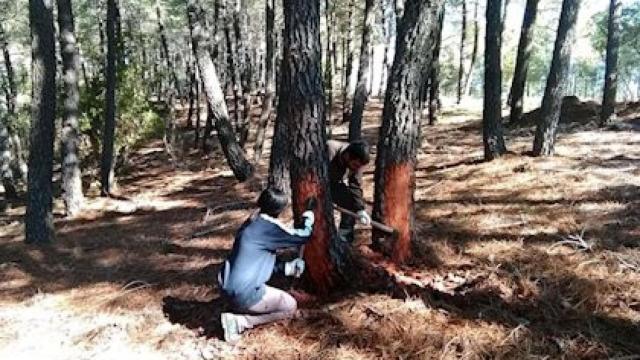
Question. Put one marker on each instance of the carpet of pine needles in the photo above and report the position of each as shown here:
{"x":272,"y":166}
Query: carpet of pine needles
{"x":517,"y":258}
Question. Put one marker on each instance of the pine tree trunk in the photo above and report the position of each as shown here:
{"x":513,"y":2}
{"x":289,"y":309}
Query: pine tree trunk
{"x":6,"y":173}
{"x":611,"y":73}
{"x":398,"y":8}
{"x":71,"y":176}
{"x":388,"y":23}
{"x":326,"y":256}
{"x":12,"y":94}
{"x":39,"y":218}
{"x":197,"y":85}
{"x":492,"y":115}
{"x":236,"y":159}
{"x":247,"y":71}
{"x":463,"y":40}
{"x":434,"y":76}
{"x":269,"y":91}
{"x":329,"y":63}
{"x":108,"y":135}
{"x":362,"y":92}
{"x":516,"y":100}
{"x":400,"y":132}
{"x":503,"y":18}
{"x":233,"y":69}
{"x":191,"y":75}
{"x":546,"y":130}
{"x":474,"y":52}
{"x":280,"y":149}
{"x":346,"y":107}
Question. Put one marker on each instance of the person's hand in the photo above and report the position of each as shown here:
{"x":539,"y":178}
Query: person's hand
{"x":364,"y":218}
{"x":294,"y":268}
{"x":309,"y":218}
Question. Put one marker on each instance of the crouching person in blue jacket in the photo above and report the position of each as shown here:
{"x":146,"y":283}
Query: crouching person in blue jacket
{"x":253,"y":261}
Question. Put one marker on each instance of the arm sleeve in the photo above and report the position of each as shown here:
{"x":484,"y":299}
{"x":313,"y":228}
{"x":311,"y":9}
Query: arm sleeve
{"x":355,"y":188}
{"x":283,"y":237}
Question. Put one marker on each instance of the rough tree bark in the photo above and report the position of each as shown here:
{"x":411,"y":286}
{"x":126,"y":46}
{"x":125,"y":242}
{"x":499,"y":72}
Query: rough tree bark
{"x":39,"y":218}
{"x":400,"y":132}
{"x":362,"y":93}
{"x":236,"y":159}
{"x":346,"y":108}
{"x":326,"y":255}
{"x":108,"y":135}
{"x":12,"y":92}
{"x":434,"y":76}
{"x":71,"y":176}
{"x":474,"y":51}
{"x":492,"y":136}
{"x":247,"y":70}
{"x":269,"y":91}
{"x":280,"y":147}
{"x":516,"y":96}
{"x":611,"y":73}
{"x":546,"y":130}
{"x":463,"y":40}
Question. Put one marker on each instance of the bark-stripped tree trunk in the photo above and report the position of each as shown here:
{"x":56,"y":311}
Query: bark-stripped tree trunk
{"x":71,"y":176}
{"x":346,"y":107}
{"x":557,"y":81}
{"x":463,"y":40}
{"x":269,"y":91}
{"x":611,"y":73}
{"x":327,"y":257}
{"x":362,"y":92}
{"x":434,"y":76}
{"x":108,"y":134}
{"x":236,"y":159}
{"x":474,"y":52}
{"x":516,"y":96}
{"x":400,"y":132}
{"x":39,"y":218}
{"x":492,"y":114}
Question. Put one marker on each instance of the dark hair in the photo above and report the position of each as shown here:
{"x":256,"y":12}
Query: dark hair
{"x":272,"y":202}
{"x":358,"y":149}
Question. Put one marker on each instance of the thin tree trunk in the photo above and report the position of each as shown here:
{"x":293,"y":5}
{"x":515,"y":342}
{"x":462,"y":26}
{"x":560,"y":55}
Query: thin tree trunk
{"x":234,"y":69}
{"x":463,"y":40}
{"x":191,"y":75}
{"x":492,"y":136}
{"x":71,"y":176}
{"x":346,"y":107}
{"x":546,"y":130}
{"x":6,"y":173}
{"x":269,"y":91}
{"x":400,"y":132}
{"x":327,"y":257}
{"x":388,"y":22}
{"x":13,"y":91}
{"x":236,"y":158}
{"x":362,"y":92}
{"x":280,"y":149}
{"x":474,"y":52}
{"x":329,"y":63}
{"x":197,"y":85}
{"x":39,"y":218}
{"x":503,"y":18}
{"x":108,"y":135}
{"x":247,"y":71}
{"x":516,"y":100}
{"x":434,"y":76}
{"x":611,"y":75}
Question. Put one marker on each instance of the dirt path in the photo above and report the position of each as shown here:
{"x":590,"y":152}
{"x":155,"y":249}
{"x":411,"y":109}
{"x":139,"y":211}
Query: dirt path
{"x":126,"y":279}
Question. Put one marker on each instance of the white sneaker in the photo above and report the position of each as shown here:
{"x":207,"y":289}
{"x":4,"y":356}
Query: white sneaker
{"x":230,"y":326}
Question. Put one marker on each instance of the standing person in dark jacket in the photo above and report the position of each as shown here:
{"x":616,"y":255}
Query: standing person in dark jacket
{"x":253,"y":261}
{"x":346,"y":165}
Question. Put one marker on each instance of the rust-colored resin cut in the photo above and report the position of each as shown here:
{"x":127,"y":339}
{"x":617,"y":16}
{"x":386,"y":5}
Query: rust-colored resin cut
{"x":397,"y":207}
{"x":316,"y":251}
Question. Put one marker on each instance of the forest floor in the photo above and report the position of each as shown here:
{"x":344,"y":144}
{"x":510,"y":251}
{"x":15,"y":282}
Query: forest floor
{"x":523,"y":257}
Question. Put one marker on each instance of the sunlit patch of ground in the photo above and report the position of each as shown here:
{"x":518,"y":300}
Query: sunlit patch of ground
{"x":524,"y":257}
